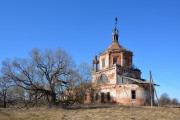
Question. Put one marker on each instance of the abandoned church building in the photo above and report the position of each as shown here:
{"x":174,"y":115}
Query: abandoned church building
{"x":115,"y":80}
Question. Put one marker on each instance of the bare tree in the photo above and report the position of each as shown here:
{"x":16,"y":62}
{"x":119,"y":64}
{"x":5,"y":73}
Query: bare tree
{"x":164,"y":99}
{"x":42,"y":73}
{"x":175,"y":101}
{"x":79,"y":85}
{"x":84,"y":84}
{"x":84,"y":71}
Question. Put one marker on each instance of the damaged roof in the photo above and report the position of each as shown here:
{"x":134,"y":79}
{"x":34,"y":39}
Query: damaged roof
{"x":139,"y":81}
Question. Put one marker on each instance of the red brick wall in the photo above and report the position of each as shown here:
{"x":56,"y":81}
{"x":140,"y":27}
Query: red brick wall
{"x":128,"y":58}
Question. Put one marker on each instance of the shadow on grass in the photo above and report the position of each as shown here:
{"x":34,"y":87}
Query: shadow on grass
{"x":85,"y":107}
{"x":97,"y":106}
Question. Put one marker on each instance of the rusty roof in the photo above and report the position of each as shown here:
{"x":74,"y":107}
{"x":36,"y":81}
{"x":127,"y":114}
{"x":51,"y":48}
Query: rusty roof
{"x":115,"y":46}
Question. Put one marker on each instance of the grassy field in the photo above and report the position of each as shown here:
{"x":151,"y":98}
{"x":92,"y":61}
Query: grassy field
{"x":104,"y":113}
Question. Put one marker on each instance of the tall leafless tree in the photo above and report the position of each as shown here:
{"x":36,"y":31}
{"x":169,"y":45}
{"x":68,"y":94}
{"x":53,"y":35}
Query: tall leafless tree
{"x":44,"y":72}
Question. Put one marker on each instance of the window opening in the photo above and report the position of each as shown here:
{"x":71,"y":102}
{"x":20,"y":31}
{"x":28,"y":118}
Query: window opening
{"x":102,"y":97}
{"x":133,"y":94}
{"x":114,"y":60}
{"x":96,"y":96}
{"x":108,"y":96}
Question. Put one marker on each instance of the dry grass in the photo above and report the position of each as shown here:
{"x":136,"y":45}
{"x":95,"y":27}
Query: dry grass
{"x":111,"y":113}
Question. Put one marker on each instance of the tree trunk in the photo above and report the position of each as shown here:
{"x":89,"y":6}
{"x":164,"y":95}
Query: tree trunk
{"x":5,"y":104}
{"x":53,"y":98}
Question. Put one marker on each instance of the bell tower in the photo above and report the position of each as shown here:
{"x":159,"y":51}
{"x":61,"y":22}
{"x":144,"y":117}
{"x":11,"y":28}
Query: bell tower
{"x":115,"y":55}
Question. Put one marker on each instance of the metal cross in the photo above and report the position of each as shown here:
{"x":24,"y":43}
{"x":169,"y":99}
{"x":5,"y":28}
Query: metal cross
{"x":116,"y":19}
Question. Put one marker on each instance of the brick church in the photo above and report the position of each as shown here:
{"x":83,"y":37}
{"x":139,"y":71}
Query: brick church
{"x":115,"y":80}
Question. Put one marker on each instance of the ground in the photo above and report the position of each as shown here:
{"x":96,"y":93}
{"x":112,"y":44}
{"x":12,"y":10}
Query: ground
{"x":103,"y":113}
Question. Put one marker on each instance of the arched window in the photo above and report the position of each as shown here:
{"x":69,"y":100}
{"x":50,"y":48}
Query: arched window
{"x":103,"y":79}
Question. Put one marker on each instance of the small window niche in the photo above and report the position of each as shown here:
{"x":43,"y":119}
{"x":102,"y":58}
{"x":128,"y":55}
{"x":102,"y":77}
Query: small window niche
{"x":114,"y":60}
{"x":133,"y":94}
{"x":103,"y":63}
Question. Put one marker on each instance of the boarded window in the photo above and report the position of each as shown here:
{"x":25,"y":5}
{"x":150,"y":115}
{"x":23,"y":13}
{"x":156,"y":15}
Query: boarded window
{"x":114,"y":60}
{"x":96,"y":96}
{"x":108,"y":96}
{"x":103,"y":63}
{"x":133,"y":94}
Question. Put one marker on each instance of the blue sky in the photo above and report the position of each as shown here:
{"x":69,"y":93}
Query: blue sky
{"x":151,"y":29}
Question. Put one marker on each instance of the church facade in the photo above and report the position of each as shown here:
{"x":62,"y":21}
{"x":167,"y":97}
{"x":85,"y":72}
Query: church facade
{"x":115,"y":80}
